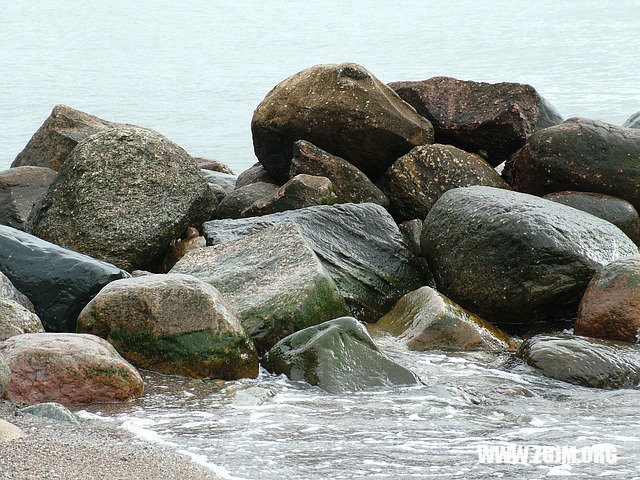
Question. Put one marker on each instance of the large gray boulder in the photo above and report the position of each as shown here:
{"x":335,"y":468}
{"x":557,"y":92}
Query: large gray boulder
{"x":123,"y":196}
{"x":515,"y":258}
{"x":20,"y":189}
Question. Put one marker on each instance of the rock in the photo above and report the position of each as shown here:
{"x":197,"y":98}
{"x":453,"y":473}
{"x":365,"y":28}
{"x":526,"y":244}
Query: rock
{"x":250,"y":395}
{"x":9,"y":432}
{"x":221,"y":184}
{"x":273,"y":281}
{"x":359,"y":245}
{"x":122,"y":196}
{"x":427,"y":320}
{"x":416,"y":180}
{"x":52,"y":411}
{"x":242,"y":198}
{"x":610,"y":308}
{"x":411,"y":230}
{"x":20,"y":189}
{"x":495,"y":118}
{"x":67,"y":368}
{"x":581,"y":155}
{"x":172,"y":324}
{"x":515,"y":258}
{"x":16,"y":320}
{"x":612,"y":209}
{"x":350,"y":185}
{"x":342,"y":109}
{"x":58,"y":281}
{"x":299,"y":192}
{"x":213,"y":165}
{"x":5,"y":375}
{"x":633,"y":121}
{"x":255,"y":174}
{"x":589,"y":362}
{"x":180,"y":248}
{"x":9,"y":292}
{"x":338,"y":356}
{"x":58,"y":136}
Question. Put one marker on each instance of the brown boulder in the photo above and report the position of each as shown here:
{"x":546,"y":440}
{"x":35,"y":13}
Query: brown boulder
{"x":20,"y":189}
{"x":213,"y":165}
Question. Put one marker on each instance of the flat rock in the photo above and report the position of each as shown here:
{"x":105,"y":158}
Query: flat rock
{"x":52,"y":411}
{"x":20,"y":189}
{"x":633,"y":121}
{"x":254,"y":174}
{"x":242,"y":198}
{"x":16,"y":320}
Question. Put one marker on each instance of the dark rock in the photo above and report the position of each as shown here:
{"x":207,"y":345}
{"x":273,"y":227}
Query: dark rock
{"x":416,"y":180}
{"x":273,"y":281}
{"x":122,"y":196}
{"x":581,"y":155}
{"x":9,"y":292}
{"x":633,"y":121}
{"x":58,"y":281}
{"x":221,"y":184}
{"x":495,"y":118}
{"x":20,"y":189}
{"x":589,"y":362}
{"x":411,"y":231}
{"x":515,"y":258}
{"x":16,"y":320}
{"x":299,"y":192}
{"x":359,"y":245}
{"x":5,"y":375}
{"x":612,"y":209}
{"x":52,"y":411}
{"x":342,"y":109}
{"x":180,"y":248}
{"x":255,"y":174}
{"x":213,"y":165}
{"x":350,"y":185}
{"x":338,"y":356}
{"x":242,"y":198}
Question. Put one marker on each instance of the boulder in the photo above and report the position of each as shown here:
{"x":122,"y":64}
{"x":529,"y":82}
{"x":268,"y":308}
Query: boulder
{"x":242,"y":198}
{"x":192,"y":240}
{"x":9,"y":292}
{"x":213,"y":165}
{"x":67,"y":368}
{"x":299,"y":192}
{"x":338,"y":356}
{"x":427,"y":320}
{"x":58,"y":281}
{"x":122,"y":196}
{"x":5,"y":375}
{"x":9,"y":432}
{"x":255,"y":174}
{"x":610,"y":308}
{"x":172,"y":324}
{"x":342,"y":109}
{"x":416,"y":180}
{"x":514,"y":258}
{"x":411,"y":231}
{"x":581,"y":155}
{"x":490,"y":118}
{"x":612,"y":209}
{"x":20,"y":189}
{"x":633,"y":121}
{"x":16,"y":320}
{"x":273,"y":281}
{"x":350,"y":185}
{"x":220,"y":184}
{"x":51,"y":411}
{"x":589,"y":362}
{"x":359,"y":245}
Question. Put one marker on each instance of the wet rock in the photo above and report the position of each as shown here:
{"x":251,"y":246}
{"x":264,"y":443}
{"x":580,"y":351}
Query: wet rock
{"x":299,"y":192}
{"x":9,"y":292}
{"x":67,"y":368}
{"x":495,"y":118}
{"x":581,"y":155}
{"x":589,"y":362}
{"x":338,"y":356}
{"x":515,"y":258}
{"x":255,"y":174}
{"x":610,"y":308}
{"x":612,"y":209}
{"x":9,"y":432}
{"x":250,"y":395}
{"x":350,"y":185}
{"x":416,"y":180}
{"x":20,"y":189}
{"x":172,"y":324}
{"x":359,"y":245}
{"x":242,"y":198}
{"x":181,"y":247}
{"x":52,"y":411}
{"x":58,"y":281}
{"x":427,"y":320}
{"x":122,"y":196}
{"x":633,"y":121}
{"x":411,"y":230}
{"x":212,"y":165}
{"x":273,"y":281}
{"x":220,"y":184}
{"x":16,"y":320}
{"x":5,"y":375}
{"x":342,"y":109}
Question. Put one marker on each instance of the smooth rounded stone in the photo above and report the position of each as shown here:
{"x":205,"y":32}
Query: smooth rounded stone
{"x":350,"y":185}
{"x":342,"y":109}
{"x":610,"y":308}
{"x":58,"y":136}
{"x":9,"y":432}
{"x":212,"y":165}
{"x":427,"y":320}
{"x":250,"y":395}
{"x":181,"y":247}
{"x":221,"y":184}
{"x":67,"y":368}
{"x":633,"y":121}
{"x":273,"y":281}
{"x":416,"y":180}
{"x":242,"y":198}
{"x":5,"y":375}
{"x":514,"y":258}
{"x":411,"y":230}
{"x":589,"y":362}
{"x":20,"y":189}
{"x":299,"y":192}
{"x":612,"y":209}
{"x":9,"y":292}
{"x":16,"y":320}
{"x":359,"y":245}
{"x":493,"y":118}
{"x":52,"y":411}
{"x":58,"y":281}
{"x":255,"y":174}
{"x":172,"y":324}
{"x":122,"y":196}
{"x":581,"y":155}
{"x":338,"y":356}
